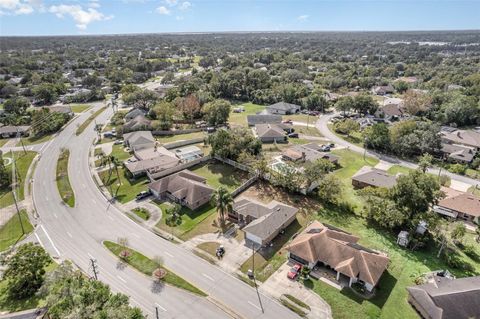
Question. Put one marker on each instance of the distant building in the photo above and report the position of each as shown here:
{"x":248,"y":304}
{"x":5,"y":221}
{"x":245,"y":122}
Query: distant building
{"x":283,"y":108}
{"x":253,"y":120}
{"x":383,"y":89}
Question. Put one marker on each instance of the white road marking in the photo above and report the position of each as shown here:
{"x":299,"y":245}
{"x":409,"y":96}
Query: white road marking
{"x":38,"y":238}
{"x":55,"y":215}
{"x":208,"y":277}
{"x":69,"y":235}
{"x":254,"y":305}
{"x":122,"y":279}
{"x":156,"y":304}
{"x":50,"y":239}
{"x":169,"y":255}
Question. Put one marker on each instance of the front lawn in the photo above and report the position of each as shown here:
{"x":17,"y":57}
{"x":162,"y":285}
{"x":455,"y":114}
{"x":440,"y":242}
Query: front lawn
{"x":3,"y":141}
{"x":220,"y":174}
{"x":36,"y":139}
{"x":63,"y":182}
{"x":141,"y":212}
{"x":127,"y":189}
{"x":241,"y":118}
{"x":311,"y":130}
{"x":395,"y":169}
{"x":23,"y":161}
{"x":303,"y":118}
{"x":119,"y":152}
{"x":209,"y":247}
{"x":355,"y":138}
{"x":194,"y":222}
{"x":147,"y":266}
{"x":11,"y":232}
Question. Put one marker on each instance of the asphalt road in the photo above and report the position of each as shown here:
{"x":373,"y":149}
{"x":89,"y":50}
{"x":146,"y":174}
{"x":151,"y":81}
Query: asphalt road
{"x":322,"y":127}
{"x":77,"y":234}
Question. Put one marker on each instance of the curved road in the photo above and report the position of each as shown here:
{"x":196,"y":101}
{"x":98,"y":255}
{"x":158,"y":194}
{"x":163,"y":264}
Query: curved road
{"x":77,"y":234}
{"x":322,"y":127}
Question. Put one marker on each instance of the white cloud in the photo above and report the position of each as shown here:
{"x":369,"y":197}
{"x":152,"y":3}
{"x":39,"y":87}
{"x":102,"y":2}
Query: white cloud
{"x":82,"y":17}
{"x":178,"y":18}
{"x":185,"y":5}
{"x":93,"y":4}
{"x":303,"y":17}
{"x":163,"y":10}
{"x":171,"y":3}
{"x":17,"y":7}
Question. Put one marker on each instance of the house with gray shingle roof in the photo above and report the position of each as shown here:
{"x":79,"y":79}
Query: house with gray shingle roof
{"x":262,"y":222}
{"x":283,"y":108}
{"x":373,"y":177}
{"x":255,"y":119}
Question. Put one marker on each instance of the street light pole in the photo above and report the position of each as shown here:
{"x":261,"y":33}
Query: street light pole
{"x":254,"y":280}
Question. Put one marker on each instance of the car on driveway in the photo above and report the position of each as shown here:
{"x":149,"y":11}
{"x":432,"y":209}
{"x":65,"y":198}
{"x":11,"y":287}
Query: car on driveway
{"x":325,"y":148}
{"x":293,"y":135}
{"x":143,"y":195}
{"x":294,"y":271}
{"x":287,"y":122}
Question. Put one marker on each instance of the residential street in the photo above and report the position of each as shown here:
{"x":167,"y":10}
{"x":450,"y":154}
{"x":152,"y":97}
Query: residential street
{"x":77,"y":234}
{"x":322,"y":126}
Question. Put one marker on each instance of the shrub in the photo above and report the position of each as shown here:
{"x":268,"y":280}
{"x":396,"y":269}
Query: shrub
{"x":457,"y":169}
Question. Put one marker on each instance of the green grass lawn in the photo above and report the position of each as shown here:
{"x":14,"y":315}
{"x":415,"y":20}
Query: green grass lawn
{"x":194,"y":222}
{"x":241,"y":118}
{"x":63,"y":182}
{"x":179,"y":137}
{"x":23,"y":161}
{"x":146,"y":265}
{"x":354,"y":138}
{"x":6,"y":304}
{"x":79,"y":108}
{"x":141,"y":212}
{"x":304,"y":118}
{"x":311,"y":130}
{"x":395,"y":169}
{"x":119,"y":152}
{"x":209,"y":247}
{"x":350,"y":163}
{"x":90,"y":119}
{"x":127,"y":189}
{"x":219,"y":174}
{"x":34,"y":139}
{"x":3,"y":141}
{"x":11,"y":232}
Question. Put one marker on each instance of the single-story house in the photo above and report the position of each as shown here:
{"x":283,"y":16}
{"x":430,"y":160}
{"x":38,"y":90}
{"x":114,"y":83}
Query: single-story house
{"x":263,"y":221}
{"x":460,"y":205}
{"x":458,"y":153}
{"x":446,"y":298}
{"x":374,"y":177}
{"x":185,"y":187}
{"x":158,"y":163}
{"x":140,"y":122}
{"x":64,"y":109}
{"x":270,"y":133}
{"x":307,"y":153}
{"x":12,"y":131}
{"x":330,"y":246}
{"x":470,"y":138}
{"x":283,"y":108}
{"x":151,"y":152}
{"x":139,"y":140}
{"x":253,"y":120}
{"x":134,"y":113}
{"x":383,"y":89}
{"x":390,"y":112}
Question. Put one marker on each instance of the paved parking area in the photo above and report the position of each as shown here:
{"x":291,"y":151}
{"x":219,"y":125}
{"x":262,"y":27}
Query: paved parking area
{"x":278,"y":284}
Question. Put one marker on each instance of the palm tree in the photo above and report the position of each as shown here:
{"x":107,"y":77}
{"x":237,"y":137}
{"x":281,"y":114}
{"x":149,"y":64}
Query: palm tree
{"x":223,"y":201}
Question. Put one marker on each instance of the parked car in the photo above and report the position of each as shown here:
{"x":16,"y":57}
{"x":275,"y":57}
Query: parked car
{"x":143,"y":195}
{"x":287,"y":122}
{"x":293,"y":135}
{"x":211,"y":130}
{"x":332,"y":145}
{"x":325,"y":148}
{"x":117,"y":142}
{"x":294,"y":271}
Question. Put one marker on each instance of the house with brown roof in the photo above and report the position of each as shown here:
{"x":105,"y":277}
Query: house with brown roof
{"x":446,"y":298}
{"x":262,"y":222}
{"x":307,"y":153}
{"x":185,"y":187}
{"x":374,"y":177}
{"x":325,"y":245}
{"x":460,"y":205}
{"x":469,"y":138}
{"x":270,"y":133}
{"x":383,"y":89}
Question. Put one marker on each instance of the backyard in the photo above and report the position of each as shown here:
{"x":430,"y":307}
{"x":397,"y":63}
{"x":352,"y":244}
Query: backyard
{"x":23,"y":161}
{"x":179,"y":137}
{"x":219,"y":174}
{"x":241,"y":118}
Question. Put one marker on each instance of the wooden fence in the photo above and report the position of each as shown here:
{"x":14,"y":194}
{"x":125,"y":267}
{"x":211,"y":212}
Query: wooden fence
{"x":176,"y":144}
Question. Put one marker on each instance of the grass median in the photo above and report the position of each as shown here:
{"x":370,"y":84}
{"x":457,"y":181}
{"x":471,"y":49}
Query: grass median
{"x":147,"y":266}
{"x":63,"y":182}
{"x":84,"y":125}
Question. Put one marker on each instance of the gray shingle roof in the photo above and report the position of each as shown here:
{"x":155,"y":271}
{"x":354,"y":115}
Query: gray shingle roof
{"x":375,"y":177}
{"x":263,"y":118}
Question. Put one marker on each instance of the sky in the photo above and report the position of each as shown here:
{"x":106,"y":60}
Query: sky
{"x":77,"y":17}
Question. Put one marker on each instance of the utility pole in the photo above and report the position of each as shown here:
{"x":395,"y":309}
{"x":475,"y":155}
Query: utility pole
{"x":156,"y":312}
{"x":21,"y":141}
{"x":94,"y":268}
{"x":254,"y":280}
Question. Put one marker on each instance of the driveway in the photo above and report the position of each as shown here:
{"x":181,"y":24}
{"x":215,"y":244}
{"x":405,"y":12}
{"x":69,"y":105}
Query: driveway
{"x":278,"y":284}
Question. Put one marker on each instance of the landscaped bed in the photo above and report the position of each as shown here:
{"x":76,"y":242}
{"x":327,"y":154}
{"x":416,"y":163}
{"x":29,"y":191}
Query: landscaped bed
{"x":147,"y":266}
{"x":23,"y":161}
{"x":63,"y":182}
{"x":11,"y":232}
{"x":141,"y":212}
